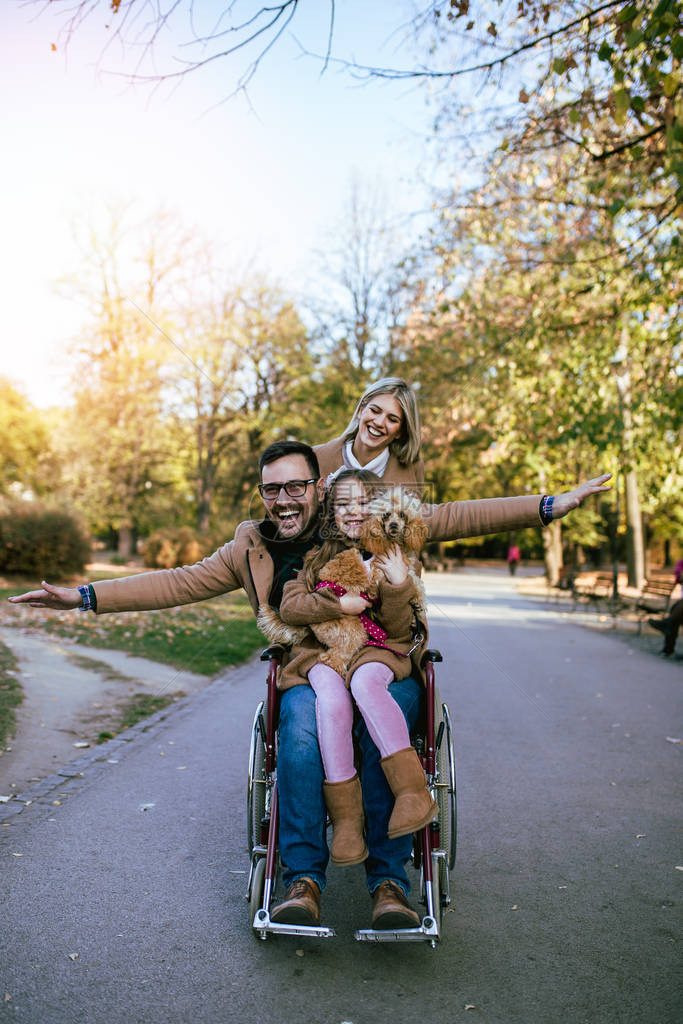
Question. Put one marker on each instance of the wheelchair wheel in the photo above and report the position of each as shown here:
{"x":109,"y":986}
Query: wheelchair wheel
{"x":257,"y":884}
{"x":256,"y":781}
{"x":446,"y":791}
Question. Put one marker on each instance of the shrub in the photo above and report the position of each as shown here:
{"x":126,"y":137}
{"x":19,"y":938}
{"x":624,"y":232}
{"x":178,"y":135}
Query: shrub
{"x":42,"y":542}
{"x":165,"y":549}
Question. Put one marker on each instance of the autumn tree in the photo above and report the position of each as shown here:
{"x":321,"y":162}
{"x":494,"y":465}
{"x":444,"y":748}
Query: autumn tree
{"x":243,"y":354}
{"x":119,"y":451}
{"x":28,"y":462}
{"x":527,"y":337}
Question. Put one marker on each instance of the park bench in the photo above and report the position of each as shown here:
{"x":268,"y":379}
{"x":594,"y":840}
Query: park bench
{"x":655,"y":596}
{"x":595,"y":589}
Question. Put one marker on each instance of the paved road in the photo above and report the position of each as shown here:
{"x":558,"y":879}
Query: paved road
{"x":565,"y":890}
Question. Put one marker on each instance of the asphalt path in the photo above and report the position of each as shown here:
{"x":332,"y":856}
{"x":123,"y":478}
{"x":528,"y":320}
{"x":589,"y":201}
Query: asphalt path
{"x":122,"y":892}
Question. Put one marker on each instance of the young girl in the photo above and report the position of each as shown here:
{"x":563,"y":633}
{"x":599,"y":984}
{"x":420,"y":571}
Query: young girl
{"x":368,"y":676}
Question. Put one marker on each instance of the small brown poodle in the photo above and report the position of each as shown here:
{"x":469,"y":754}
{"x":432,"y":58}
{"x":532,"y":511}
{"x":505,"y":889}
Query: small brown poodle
{"x":396,"y":518}
{"x":344,"y":637}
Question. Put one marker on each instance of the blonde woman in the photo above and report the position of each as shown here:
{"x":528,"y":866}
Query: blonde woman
{"x":382,"y":437}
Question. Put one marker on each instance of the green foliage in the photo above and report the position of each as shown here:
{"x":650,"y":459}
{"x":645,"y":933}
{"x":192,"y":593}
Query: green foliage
{"x":27,"y":462}
{"x":41,"y":542}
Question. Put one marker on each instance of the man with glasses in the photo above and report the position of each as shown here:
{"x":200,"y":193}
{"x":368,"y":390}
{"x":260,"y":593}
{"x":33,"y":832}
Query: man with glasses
{"x":261,"y":558}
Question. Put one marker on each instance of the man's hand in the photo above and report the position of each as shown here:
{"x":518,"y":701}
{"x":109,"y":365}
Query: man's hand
{"x":353,"y":604}
{"x":564,"y":503}
{"x":61,"y":598}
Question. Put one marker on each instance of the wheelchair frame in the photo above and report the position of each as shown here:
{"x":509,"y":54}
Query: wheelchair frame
{"x":434,"y":846}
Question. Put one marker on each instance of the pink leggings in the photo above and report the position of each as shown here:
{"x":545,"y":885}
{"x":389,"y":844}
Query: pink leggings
{"x":334,"y":715}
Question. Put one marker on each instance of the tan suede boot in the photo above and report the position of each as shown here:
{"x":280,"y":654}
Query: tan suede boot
{"x":414,"y":807}
{"x":345,"y":805}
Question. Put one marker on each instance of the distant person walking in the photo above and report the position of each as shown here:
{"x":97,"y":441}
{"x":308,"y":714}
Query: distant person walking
{"x":513,"y":558}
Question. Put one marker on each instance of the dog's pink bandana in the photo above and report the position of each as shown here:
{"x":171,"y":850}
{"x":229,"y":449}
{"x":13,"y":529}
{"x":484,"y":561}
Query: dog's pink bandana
{"x":374,"y":631}
{"x":376,"y":635}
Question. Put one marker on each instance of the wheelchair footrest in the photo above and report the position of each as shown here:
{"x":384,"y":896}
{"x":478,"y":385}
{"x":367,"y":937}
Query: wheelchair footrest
{"x":264,"y":926}
{"x":428,"y":932}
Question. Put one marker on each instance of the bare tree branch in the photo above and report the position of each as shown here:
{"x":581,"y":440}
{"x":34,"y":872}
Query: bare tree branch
{"x":396,"y":74}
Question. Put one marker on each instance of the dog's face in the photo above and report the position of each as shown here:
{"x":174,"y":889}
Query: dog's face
{"x":394,"y":524}
{"x":395,"y":518}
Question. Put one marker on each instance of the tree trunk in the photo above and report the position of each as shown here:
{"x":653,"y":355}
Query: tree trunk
{"x":635,"y":557}
{"x":552,"y":552}
{"x":126,"y":546}
{"x":205,"y":476}
{"x":635,"y":552}
{"x":203,"y":510}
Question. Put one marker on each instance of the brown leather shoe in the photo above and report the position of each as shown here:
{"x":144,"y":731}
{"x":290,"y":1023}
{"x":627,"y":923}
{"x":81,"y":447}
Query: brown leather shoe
{"x":390,"y":908}
{"x":301,"y":904}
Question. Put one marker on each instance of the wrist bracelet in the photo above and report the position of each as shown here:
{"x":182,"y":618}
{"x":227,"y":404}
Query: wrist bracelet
{"x":546,"y":509}
{"x":86,"y":602}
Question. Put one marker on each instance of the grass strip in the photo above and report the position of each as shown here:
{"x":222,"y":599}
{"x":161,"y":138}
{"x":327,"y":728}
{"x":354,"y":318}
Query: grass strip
{"x":11,"y":693}
{"x":204,"y":638}
{"x":139,"y":707}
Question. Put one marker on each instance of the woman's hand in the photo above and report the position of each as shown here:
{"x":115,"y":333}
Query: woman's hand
{"x":564,"y":503}
{"x":61,"y":598}
{"x":394,"y":566}
{"x":353,"y":604}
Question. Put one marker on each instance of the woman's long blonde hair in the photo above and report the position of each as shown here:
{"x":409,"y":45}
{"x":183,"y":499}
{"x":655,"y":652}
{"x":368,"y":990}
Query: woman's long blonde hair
{"x":333,"y":541}
{"x":407,"y":445}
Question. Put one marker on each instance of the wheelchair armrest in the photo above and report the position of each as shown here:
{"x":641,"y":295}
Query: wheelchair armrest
{"x":431,"y":655}
{"x":273,"y":653}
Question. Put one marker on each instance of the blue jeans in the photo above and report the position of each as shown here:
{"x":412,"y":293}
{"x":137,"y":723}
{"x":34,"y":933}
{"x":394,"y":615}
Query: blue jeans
{"x":303,"y":843}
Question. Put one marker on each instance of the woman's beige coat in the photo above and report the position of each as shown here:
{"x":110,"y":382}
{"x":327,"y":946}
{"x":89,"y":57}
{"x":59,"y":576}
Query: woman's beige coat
{"x":331,"y":458}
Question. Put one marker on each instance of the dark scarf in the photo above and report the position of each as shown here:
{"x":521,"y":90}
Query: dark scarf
{"x":287,"y":555}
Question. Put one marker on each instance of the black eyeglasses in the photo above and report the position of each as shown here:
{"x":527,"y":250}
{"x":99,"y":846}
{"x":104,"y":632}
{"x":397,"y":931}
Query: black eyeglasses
{"x":294,"y":488}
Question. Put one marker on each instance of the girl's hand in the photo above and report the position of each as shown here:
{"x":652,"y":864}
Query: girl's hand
{"x":61,"y":598}
{"x":353,"y":604}
{"x":394,"y":565}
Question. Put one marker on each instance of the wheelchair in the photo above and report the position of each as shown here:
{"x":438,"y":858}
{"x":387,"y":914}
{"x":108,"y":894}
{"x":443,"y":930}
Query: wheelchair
{"x":434,"y":846}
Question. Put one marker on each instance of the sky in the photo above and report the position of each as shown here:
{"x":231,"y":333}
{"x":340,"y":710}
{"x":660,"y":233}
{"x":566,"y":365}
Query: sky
{"x":264,"y":176}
